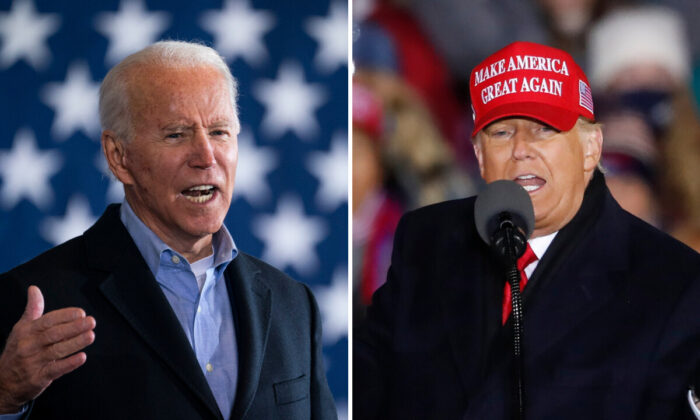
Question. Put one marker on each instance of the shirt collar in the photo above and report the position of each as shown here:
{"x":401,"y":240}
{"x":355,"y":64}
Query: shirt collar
{"x":540,"y":244}
{"x":151,"y":246}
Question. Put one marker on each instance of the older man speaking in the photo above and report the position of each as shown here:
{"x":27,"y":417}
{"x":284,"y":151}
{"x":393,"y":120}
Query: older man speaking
{"x":181,"y":324}
{"x":610,"y":327}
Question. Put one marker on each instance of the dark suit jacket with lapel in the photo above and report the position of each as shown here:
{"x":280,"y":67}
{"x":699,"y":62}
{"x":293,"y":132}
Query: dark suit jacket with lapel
{"x":611,"y":323}
{"x":141,"y":365}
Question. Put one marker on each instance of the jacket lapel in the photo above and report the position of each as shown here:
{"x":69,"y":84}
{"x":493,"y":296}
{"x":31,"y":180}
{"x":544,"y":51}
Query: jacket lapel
{"x":469,"y":288}
{"x":135,"y":294}
{"x":252,"y":302}
{"x":587,"y":279}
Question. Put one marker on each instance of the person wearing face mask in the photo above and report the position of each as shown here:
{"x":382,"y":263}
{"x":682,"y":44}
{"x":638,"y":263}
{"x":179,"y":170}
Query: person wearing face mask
{"x":610,"y":325}
{"x":640,"y":57}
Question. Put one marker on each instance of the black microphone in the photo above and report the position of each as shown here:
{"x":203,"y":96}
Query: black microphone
{"x":505,"y":218}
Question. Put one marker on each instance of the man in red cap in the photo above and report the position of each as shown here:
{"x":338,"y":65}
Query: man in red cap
{"x":611,"y":325}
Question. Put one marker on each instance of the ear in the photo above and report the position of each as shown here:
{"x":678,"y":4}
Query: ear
{"x":115,"y":153}
{"x":592,"y":149}
{"x":476,"y":143}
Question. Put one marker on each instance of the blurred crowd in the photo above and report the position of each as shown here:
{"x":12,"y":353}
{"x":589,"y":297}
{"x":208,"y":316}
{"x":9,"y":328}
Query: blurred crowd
{"x":412,"y":120}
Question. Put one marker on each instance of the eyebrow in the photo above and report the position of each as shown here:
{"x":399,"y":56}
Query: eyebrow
{"x":221,"y":123}
{"x":182,"y":126}
{"x":176,"y":127}
{"x":497,"y":126}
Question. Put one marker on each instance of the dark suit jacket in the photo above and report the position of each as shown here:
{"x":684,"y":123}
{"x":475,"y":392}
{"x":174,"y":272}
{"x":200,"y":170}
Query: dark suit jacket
{"x":141,"y":365}
{"x":611,"y":324}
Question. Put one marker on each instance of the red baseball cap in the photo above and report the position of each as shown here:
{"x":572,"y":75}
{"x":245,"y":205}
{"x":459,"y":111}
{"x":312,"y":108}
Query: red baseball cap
{"x":525,"y":79}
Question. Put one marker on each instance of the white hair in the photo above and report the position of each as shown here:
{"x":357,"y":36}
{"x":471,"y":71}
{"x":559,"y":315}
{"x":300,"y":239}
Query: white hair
{"x":114,"y":97}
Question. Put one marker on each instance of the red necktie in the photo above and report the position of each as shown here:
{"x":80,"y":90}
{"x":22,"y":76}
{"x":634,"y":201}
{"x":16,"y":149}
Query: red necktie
{"x":526,"y":259}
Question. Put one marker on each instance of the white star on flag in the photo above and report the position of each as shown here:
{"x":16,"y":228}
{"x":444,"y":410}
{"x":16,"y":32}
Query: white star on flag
{"x":24,"y":34}
{"x":75,"y":103}
{"x":238,"y":30}
{"x":331,"y":33}
{"x":333,"y":304}
{"x":130,"y":29}
{"x":25,"y":171}
{"x":254,"y":164}
{"x":290,"y":236}
{"x":78,"y":219}
{"x":290,"y":102}
{"x":331,"y":170}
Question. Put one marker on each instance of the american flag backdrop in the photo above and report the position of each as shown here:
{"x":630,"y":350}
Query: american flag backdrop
{"x":290,"y":200}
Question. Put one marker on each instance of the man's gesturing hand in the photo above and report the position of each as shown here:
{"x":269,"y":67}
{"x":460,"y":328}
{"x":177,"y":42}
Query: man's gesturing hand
{"x":40,"y":349}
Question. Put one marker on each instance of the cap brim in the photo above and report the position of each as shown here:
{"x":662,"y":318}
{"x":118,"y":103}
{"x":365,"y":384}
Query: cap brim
{"x":560,"y":118}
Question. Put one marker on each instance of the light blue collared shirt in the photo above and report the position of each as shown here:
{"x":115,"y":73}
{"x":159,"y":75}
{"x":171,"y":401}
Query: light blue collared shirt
{"x":206,"y":316}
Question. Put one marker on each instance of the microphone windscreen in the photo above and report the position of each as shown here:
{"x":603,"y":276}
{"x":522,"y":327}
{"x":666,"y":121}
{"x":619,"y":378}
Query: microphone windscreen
{"x":503,"y":196}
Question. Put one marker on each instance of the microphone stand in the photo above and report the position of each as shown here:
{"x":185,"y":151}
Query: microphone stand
{"x":510,"y":244}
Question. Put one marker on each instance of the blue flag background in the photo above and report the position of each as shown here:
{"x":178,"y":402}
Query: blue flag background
{"x":290,"y":59}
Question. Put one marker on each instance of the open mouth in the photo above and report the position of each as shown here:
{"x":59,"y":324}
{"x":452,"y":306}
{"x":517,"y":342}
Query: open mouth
{"x":200,"y":193}
{"x":530,"y":182}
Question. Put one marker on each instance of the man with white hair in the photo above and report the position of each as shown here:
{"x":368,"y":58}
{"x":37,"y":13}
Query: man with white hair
{"x":153,"y":313}
{"x":610,"y":325}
